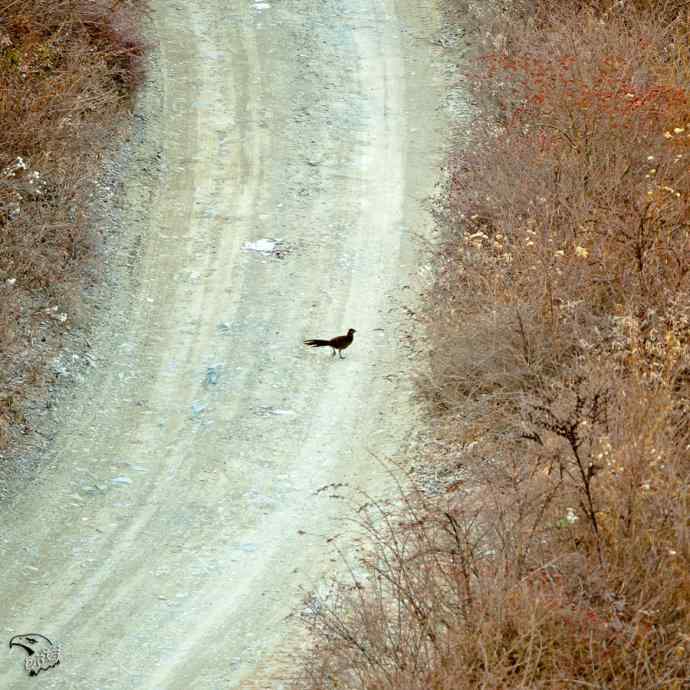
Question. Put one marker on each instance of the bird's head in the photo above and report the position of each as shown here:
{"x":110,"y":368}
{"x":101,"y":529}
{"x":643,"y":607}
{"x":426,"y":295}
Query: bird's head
{"x":32,"y":642}
{"x":351,"y":331}
{"x":41,"y":653}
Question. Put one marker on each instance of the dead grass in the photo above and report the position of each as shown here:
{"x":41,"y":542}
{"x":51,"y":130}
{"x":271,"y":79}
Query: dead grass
{"x":560,"y":380}
{"x":68,"y":71}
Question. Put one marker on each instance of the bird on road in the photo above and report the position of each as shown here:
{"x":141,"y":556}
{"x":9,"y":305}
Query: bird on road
{"x":337,"y":344}
{"x":42,"y":654}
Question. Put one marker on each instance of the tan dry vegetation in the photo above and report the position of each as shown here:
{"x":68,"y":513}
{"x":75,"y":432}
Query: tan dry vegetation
{"x":68,"y":70}
{"x":559,"y":380}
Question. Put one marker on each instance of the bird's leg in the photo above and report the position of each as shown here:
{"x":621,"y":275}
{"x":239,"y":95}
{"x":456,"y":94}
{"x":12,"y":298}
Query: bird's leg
{"x":341,"y":354}
{"x":332,"y":352}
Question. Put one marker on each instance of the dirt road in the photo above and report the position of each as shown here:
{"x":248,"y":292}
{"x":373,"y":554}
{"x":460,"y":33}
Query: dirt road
{"x":179,"y":511}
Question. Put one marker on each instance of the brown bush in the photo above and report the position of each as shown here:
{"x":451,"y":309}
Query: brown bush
{"x":444,"y":601}
{"x":559,"y":381}
{"x":68,"y":69}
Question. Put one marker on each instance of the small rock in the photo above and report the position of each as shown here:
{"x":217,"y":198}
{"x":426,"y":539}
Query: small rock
{"x":268,"y":410}
{"x":121,"y":481}
{"x":264,"y":245}
{"x":213,"y":374}
{"x":198,"y":408}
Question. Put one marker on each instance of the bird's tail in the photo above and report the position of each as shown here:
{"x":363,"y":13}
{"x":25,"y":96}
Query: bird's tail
{"x":317,"y":343}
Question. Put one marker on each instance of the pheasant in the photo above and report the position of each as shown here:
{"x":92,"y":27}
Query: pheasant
{"x":339,"y":343}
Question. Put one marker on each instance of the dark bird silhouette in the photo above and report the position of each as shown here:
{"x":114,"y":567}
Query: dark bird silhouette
{"x":42,"y":654}
{"x":339,"y":343}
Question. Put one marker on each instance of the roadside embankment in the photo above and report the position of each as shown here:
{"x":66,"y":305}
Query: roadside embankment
{"x":68,"y":74}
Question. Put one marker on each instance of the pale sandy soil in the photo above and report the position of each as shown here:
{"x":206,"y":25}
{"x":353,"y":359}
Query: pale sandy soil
{"x":178,"y":513}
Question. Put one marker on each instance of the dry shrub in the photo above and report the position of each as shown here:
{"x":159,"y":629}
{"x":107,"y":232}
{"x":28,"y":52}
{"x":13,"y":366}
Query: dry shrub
{"x":559,"y":380}
{"x":497,"y":590}
{"x":568,"y":250}
{"x":68,"y":69}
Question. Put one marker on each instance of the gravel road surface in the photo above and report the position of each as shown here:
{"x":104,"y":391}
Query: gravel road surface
{"x":292,"y":146}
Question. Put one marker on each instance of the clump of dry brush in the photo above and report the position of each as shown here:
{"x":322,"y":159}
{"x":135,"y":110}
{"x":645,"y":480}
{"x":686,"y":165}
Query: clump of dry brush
{"x":68,"y":70}
{"x":559,"y":379}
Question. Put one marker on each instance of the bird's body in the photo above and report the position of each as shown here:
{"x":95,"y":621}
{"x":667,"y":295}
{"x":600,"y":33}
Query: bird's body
{"x":337,"y":344}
